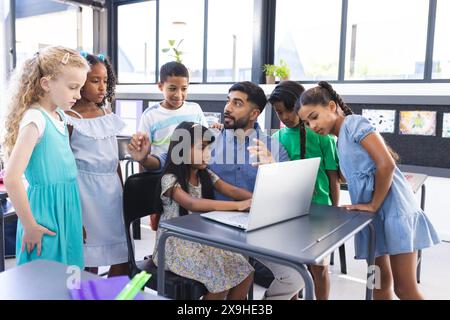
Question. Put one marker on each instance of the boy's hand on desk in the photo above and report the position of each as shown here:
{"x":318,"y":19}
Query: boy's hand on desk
{"x":139,"y":146}
{"x":32,"y":237}
{"x":361,"y":207}
{"x":244,"y":205}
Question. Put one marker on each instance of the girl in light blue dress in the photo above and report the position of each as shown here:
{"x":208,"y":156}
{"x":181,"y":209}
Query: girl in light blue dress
{"x":376,"y":185}
{"x":37,"y":144}
{"x":94,"y":144}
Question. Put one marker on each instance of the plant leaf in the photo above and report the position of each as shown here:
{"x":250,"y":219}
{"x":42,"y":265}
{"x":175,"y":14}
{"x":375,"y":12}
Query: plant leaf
{"x":165,"y":50}
{"x":171,"y":43}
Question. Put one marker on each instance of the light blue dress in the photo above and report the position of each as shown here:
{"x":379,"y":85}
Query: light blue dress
{"x":54,"y":200}
{"x":400,"y":224}
{"x":94,"y":145}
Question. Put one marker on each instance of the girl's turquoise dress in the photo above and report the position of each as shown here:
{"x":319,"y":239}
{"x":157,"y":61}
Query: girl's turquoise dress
{"x":54,"y":199}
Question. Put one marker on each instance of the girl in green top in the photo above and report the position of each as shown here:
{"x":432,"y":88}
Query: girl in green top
{"x":302,"y":143}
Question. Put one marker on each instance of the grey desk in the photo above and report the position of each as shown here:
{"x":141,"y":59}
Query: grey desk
{"x":304,"y":240}
{"x":43,"y":280}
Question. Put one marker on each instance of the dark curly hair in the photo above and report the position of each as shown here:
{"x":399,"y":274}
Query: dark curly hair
{"x":111,"y":83}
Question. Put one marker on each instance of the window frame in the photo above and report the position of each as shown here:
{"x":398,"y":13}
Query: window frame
{"x":264,"y":42}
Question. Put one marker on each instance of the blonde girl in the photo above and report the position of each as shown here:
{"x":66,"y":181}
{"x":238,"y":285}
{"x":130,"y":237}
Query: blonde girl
{"x":37,"y":144}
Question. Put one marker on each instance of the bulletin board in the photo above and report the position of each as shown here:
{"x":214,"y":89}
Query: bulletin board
{"x":421,"y":133}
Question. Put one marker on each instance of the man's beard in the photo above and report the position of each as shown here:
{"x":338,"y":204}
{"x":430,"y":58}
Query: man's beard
{"x":238,"y":124}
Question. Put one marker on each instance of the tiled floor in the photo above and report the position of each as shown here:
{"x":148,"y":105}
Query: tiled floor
{"x":435,"y":282}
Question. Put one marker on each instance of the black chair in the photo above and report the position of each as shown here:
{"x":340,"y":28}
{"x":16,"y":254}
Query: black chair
{"x":124,"y":155}
{"x":138,"y":202}
{"x":8,"y":226}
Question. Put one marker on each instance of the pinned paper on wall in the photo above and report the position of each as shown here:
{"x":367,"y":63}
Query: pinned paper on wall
{"x":446,"y":126}
{"x":382,"y":120}
{"x":421,"y":123}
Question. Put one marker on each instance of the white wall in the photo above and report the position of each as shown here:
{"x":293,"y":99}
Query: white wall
{"x":437,"y":204}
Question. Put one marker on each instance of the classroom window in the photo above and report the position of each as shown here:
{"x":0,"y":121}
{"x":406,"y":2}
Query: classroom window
{"x":307,"y":37}
{"x":182,"y":22}
{"x":130,"y":111}
{"x":386,"y":39}
{"x":51,"y":24}
{"x":136,"y":25}
{"x":230,"y":44}
{"x":441,"y":51}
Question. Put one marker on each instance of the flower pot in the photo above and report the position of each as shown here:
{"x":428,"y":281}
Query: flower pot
{"x":270,"y":79}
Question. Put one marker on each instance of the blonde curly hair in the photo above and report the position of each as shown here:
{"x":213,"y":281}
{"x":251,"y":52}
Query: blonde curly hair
{"x":26,"y":89}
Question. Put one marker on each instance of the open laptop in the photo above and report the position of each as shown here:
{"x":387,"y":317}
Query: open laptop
{"x":282,"y":191}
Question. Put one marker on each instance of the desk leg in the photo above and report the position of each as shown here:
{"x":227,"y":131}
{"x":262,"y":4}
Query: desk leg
{"x":309,"y":284}
{"x":419,"y":253}
{"x":370,"y":264}
{"x":2,"y":242}
{"x":162,"y":262}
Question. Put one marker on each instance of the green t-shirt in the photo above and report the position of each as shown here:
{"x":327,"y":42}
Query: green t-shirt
{"x":316,"y":146}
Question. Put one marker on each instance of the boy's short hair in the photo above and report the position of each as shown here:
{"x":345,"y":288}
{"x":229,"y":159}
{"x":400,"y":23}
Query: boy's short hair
{"x":254,"y":93}
{"x":173,"y":69}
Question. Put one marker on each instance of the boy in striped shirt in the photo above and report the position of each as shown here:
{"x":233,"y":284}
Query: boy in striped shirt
{"x":160,"y":120}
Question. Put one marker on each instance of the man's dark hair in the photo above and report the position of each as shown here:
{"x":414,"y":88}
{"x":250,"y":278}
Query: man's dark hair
{"x":254,"y":93}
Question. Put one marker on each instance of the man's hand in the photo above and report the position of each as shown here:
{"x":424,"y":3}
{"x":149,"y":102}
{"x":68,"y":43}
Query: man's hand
{"x":216,"y":125}
{"x":261,"y":153}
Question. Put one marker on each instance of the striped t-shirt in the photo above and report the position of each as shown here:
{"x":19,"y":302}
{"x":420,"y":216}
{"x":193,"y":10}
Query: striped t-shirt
{"x":160,"y":123}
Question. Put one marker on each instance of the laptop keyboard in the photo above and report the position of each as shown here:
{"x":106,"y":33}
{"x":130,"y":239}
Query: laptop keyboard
{"x":241,"y":219}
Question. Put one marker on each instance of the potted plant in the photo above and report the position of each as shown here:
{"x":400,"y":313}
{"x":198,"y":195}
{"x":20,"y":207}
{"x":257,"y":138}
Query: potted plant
{"x":282,"y":71}
{"x":177,"y":53}
{"x":269,"y":70}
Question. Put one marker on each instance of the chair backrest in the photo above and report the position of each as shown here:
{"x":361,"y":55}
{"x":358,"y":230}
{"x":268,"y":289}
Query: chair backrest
{"x":138,"y":201}
{"x":122,"y":143}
